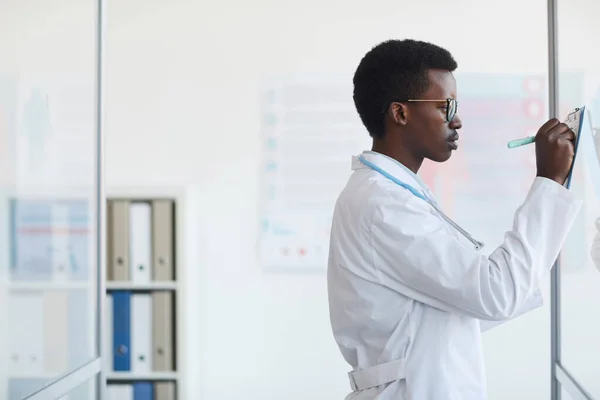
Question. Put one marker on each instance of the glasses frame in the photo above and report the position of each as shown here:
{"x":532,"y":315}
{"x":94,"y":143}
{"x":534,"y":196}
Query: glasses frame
{"x":450,"y":111}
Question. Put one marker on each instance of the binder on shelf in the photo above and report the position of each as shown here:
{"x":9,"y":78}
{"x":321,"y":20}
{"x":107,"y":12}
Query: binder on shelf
{"x":162,"y":240}
{"x":119,"y":391}
{"x":140,"y":234}
{"x":81,"y":344}
{"x":56,"y":332}
{"x":109,"y":324}
{"x":141,"y":332}
{"x":143,"y":391}
{"x":118,"y":240}
{"x":164,"y":391}
{"x":26,"y":340}
{"x":141,"y":297}
{"x":121,"y":330}
{"x":162,"y":331}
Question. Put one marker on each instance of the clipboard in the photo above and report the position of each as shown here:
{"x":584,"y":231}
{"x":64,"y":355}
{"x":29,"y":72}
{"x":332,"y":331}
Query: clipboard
{"x":589,"y":149}
{"x":575,"y":122}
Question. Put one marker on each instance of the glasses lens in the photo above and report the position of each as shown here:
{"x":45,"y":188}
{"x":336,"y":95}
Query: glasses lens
{"x":451,"y":109}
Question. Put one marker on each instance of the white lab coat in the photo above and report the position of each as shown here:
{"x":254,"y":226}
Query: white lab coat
{"x":408,"y":294}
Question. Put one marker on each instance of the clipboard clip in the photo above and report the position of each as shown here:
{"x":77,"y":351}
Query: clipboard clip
{"x":573,"y":117}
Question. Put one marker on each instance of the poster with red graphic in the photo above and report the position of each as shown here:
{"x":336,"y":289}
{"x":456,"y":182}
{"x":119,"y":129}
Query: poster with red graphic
{"x":310,"y":130}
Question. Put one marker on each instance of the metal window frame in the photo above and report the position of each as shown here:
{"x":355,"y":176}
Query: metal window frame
{"x":100,"y":201}
{"x":555,"y":275}
{"x":94,"y":369}
{"x":569,"y":384}
{"x":560,"y":377}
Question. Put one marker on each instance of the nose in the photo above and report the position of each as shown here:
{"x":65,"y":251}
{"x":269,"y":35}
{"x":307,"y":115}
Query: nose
{"x":456,"y":122}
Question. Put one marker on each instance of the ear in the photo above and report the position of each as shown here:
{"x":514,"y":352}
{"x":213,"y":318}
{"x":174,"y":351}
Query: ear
{"x":399,"y":113}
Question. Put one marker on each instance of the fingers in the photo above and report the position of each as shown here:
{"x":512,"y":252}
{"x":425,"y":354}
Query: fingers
{"x":551,"y":123}
{"x":568,"y":147}
{"x":554,"y":128}
{"x":558,"y":130}
{"x":551,"y":129}
{"x":568,"y":135}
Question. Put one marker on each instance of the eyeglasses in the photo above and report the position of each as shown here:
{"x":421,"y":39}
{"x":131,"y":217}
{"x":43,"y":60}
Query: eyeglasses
{"x":451,"y":106}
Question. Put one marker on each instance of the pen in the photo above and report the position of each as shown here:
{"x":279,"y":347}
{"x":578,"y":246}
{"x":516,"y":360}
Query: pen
{"x":531,"y":139}
{"x":521,"y":142}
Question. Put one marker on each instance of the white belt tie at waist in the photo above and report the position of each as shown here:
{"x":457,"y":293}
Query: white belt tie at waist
{"x":377,"y":375}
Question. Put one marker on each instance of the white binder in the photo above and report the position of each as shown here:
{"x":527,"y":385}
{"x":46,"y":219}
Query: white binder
{"x":26,"y":325}
{"x":56,"y":332}
{"x":140,"y":232}
{"x":119,"y":391}
{"x":141,"y":332}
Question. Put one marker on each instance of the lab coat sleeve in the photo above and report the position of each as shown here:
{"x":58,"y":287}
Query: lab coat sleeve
{"x":415,"y":253}
{"x":534,"y":301}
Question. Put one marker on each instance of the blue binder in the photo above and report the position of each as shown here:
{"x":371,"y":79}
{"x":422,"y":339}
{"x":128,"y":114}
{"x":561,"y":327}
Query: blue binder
{"x":121,"y":330}
{"x":143,"y":391}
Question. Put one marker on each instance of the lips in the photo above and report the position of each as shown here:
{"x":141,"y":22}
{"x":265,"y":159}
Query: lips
{"x":453,"y":142}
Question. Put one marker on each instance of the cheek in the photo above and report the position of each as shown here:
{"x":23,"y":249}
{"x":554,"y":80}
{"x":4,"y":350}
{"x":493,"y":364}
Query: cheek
{"x":437,"y":123}
{"x":441,"y":115}
{"x":432,"y":116}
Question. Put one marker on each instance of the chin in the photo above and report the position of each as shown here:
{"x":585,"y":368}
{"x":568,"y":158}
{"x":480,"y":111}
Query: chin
{"x":441,"y":157}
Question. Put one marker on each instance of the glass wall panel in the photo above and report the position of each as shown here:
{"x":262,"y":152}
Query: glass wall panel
{"x":86,"y":390}
{"x":47,"y":191}
{"x":579,"y":85}
{"x":564,"y":395}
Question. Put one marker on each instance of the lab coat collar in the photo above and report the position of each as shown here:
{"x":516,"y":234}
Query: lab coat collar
{"x":394,"y":168}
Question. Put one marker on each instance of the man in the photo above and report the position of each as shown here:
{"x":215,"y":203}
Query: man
{"x":408,"y":290}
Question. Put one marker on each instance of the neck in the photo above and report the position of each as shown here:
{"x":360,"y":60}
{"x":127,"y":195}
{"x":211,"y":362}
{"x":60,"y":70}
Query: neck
{"x":398,"y":153}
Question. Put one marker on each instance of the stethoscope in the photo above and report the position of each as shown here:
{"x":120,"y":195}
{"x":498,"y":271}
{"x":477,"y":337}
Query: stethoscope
{"x":478,"y":245}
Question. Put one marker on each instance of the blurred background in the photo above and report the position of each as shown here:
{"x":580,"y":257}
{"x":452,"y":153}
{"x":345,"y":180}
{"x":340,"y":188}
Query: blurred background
{"x":166,"y":237}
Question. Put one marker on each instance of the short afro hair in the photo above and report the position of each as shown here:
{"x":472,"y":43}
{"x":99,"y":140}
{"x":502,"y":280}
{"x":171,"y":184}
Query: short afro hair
{"x":391,"y":71}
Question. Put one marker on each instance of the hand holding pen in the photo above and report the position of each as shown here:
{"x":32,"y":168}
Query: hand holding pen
{"x":555,"y":150}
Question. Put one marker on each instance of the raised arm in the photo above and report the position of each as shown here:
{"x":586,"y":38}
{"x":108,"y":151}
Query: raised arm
{"x":417,"y":254}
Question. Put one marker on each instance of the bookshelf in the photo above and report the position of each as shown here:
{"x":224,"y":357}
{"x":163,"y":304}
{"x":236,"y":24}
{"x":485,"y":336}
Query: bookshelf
{"x":159,"y":291}
{"x":48,"y":286}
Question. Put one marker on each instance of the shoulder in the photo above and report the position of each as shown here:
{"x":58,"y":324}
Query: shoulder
{"x":369,"y":195}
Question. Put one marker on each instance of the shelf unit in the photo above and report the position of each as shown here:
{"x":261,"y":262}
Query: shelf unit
{"x":180,"y":203}
{"x":62,"y":301}
{"x":112,"y":286}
